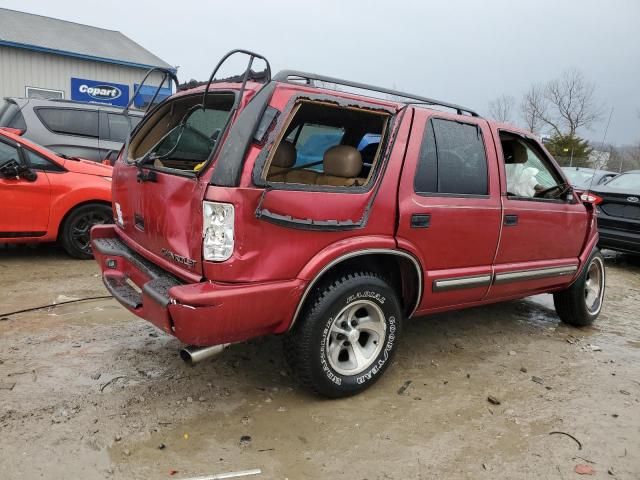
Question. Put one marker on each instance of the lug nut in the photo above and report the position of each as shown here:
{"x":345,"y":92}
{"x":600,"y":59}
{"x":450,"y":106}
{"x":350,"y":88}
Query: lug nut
{"x":341,"y":336}
{"x":343,"y":324}
{"x":354,"y":323}
{"x":347,"y":343}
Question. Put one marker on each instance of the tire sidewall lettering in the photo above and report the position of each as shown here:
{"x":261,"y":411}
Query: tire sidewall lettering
{"x":378,"y":366}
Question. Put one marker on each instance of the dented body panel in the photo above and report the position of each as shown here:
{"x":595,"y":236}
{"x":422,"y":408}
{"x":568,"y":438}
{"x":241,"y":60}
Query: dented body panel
{"x":462,"y":255}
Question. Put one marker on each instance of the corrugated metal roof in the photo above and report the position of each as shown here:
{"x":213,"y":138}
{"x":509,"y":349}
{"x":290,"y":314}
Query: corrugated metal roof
{"x":36,"y":32}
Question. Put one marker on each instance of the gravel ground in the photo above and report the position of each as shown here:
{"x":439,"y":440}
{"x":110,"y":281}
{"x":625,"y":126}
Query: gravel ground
{"x":89,"y":391}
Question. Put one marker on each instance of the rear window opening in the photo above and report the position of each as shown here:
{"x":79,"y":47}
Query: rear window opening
{"x":181,"y":134}
{"x":327,"y":145}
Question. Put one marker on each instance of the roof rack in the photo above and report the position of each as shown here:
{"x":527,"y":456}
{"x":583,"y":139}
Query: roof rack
{"x":285,"y":75}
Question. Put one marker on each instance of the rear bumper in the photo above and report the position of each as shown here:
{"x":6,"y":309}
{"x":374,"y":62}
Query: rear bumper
{"x":619,"y":240}
{"x":204,"y":313}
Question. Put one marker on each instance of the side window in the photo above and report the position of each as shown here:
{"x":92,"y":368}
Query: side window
{"x":119,"y":126}
{"x":38,"y":162}
{"x":528,"y":173}
{"x":70,"y":121}
{"x":7,"y":153}
{"x":452,"y":160}
{"x":324,"y":145}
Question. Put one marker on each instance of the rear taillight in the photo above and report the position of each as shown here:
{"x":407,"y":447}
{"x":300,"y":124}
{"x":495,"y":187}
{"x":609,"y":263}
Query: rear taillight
{"x":589,"y":197}
{"x":218,"y":231}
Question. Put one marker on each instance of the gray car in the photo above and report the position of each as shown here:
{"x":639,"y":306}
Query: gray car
{"x":75,"y":129}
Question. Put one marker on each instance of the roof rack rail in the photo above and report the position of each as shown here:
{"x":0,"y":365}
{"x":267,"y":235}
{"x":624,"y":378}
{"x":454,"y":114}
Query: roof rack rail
{"x":285,"y":75}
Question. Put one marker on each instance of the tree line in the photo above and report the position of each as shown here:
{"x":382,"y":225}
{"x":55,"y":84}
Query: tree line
{"x":559,"y":108}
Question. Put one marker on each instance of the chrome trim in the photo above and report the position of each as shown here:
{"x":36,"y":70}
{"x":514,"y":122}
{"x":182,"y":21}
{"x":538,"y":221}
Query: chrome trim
{"x":359,"y":253}
{"x":461,"y":282}
{"x":521,"y":275}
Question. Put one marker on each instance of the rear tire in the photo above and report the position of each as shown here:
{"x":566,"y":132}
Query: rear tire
{"x":75,"y":233}
{"x":581,"y":303}
{"x":346,"y":335}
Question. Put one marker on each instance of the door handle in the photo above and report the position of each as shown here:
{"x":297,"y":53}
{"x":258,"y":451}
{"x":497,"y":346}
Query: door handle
{"x":510,"y":220}
{"x":420,"y":220}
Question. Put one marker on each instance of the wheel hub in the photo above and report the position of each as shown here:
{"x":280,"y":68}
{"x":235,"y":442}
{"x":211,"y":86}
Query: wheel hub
{"x":356,"y":337}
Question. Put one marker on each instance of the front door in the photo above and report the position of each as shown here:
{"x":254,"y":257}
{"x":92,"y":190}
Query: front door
{"x":544,"y":223}
{"x":449,"y":202}
{"x":24,"y":204}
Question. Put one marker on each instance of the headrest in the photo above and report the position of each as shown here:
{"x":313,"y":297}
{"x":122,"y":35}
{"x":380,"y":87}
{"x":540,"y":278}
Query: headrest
{"x":514,"y":152}
{"x":285,"y":156}
{"x":342,"y":161}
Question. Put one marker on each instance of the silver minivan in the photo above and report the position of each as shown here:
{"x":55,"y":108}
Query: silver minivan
{"x":75,"y":129}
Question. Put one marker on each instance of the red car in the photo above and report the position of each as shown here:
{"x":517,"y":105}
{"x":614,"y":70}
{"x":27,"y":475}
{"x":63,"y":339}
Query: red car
{"x":48,"y":198}
{"x":222,"y":234}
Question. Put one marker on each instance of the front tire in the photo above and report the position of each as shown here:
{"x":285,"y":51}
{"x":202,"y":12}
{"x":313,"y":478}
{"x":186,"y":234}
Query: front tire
{"x":581,"y":303}
{"x":75,"y":234}
{"x":346,"y":336}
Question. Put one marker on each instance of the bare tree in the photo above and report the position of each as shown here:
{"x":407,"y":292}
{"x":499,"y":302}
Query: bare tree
{"x":533,"y":102}
{"x":563,"y":104}
{"x":501,"y":108}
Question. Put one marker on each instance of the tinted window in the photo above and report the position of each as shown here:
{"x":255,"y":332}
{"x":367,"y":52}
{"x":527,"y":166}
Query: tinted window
{"x":452,"y":159}
{"x":38,"y":162}
{"x":7,"y":152}
{"x":119,"y":126}
{"x":70,"y":121}
{"x":10,"y":116}
{"x":626,"y":181}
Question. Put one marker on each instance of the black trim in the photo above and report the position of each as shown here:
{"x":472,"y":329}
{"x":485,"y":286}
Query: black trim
{"x":510,"y":220}
{"x":21,"y":234}
{"x":228,"y":167}
{"x":420,"y":220}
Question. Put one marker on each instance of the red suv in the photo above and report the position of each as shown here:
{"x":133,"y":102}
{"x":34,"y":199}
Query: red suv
{"x":223,"y":233}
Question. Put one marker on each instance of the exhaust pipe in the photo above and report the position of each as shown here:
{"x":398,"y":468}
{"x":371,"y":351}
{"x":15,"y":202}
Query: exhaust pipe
{"x":192,"y":355}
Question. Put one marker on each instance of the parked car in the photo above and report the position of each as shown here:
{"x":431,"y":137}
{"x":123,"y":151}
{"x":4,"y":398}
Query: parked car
{"x":583,"y":178}
{"x":75,"y":129}
{"x":618,"y":209}
{"x":217,"y":242}
{"x":48,"y":198}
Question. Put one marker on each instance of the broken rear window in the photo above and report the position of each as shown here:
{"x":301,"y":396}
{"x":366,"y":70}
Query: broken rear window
{"x":182,"y":134}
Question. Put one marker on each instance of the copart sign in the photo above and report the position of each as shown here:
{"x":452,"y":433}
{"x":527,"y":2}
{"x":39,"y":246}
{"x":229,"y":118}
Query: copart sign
{"x":96,"y":91}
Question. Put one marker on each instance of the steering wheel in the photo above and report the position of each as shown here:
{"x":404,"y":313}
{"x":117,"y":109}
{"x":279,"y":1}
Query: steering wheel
{"x":562,"y":187}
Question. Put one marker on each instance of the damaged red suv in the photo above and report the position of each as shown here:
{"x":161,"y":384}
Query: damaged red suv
{"x":246,"y":208}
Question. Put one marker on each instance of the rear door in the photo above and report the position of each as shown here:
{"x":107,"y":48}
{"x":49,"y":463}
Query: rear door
{"x":158,"y":205}
{"x":450,"y":206}
{"x":24,"y":204}
{"x":542,"y":236}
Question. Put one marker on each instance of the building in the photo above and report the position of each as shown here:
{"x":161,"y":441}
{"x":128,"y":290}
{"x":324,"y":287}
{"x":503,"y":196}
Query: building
{"x":45,"y":57}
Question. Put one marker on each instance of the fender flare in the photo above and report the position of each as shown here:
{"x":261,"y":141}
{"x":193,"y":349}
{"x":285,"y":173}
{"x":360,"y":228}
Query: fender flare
{"x":357,"y":253}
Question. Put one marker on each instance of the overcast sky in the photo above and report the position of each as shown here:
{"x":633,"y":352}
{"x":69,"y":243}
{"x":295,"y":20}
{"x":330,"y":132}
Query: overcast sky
{"x":466,"y":52}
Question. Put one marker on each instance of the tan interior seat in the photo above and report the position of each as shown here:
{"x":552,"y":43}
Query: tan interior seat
{"x":342,"y":165}
{"x":283,"y":159}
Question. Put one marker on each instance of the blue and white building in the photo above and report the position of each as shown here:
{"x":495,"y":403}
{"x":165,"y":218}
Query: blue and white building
{"x":43,"y":57}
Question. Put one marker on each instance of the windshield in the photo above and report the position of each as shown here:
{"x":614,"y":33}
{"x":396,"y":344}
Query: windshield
{"x":579,"y":177}
{"x":627,"y":181}
{"x":182,"y":134}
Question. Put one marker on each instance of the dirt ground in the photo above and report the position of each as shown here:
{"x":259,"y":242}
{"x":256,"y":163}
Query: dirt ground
{"x":89,"y":391}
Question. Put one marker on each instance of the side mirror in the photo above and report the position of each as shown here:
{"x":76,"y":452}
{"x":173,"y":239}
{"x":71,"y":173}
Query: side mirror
{"x":10,"y":169}
{"x":14,"y":169}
